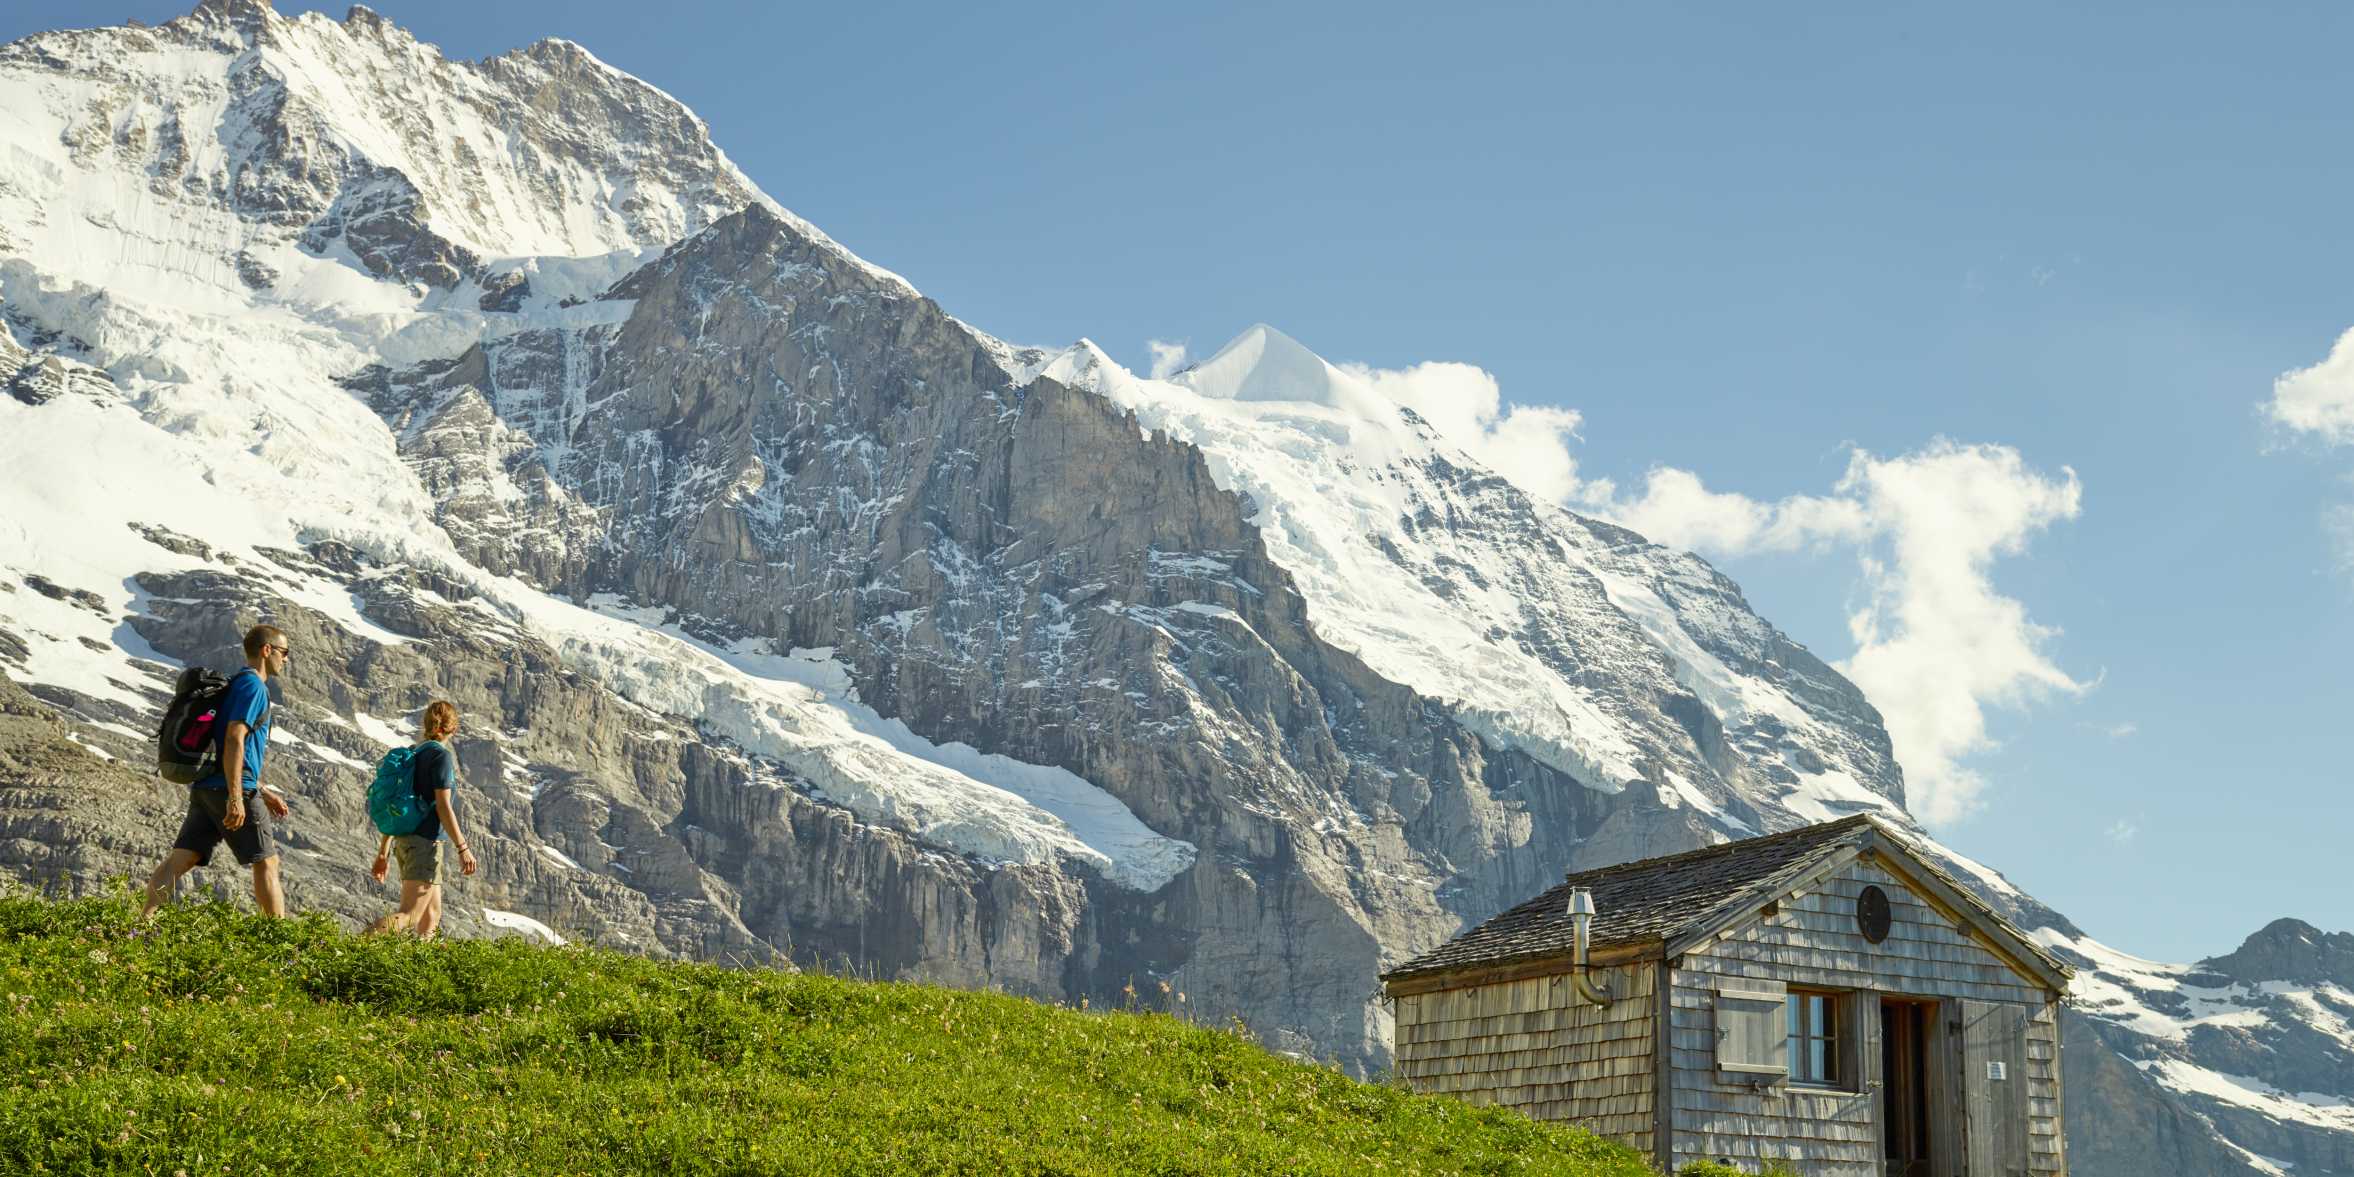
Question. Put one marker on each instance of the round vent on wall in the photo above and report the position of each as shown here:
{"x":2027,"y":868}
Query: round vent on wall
{"x":1872,"y":916}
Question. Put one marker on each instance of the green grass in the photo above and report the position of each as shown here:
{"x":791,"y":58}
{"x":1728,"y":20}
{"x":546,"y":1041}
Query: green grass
{"x":215,"y":1042}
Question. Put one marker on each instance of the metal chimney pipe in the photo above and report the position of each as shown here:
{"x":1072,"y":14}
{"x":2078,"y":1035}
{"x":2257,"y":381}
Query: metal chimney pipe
{"x":1581,"y":922}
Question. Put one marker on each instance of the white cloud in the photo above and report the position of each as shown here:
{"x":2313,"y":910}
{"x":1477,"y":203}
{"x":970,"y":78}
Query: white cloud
{"x":1936,"y":643}
{"x":2123,"y":830}
{"x":1167,"y":358}
{"x":2119,"y":731}
{"x":1678,"y":510}
{"x":2319,"y":402}
{"x":2320,"y":399}
{"x":1528,"y":444}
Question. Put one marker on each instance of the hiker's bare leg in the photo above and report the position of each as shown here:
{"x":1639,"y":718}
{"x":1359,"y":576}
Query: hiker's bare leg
{"x":430,"y":921}
{"x":267,"y":894}
{"x":412,"y":909}
{"x":167,"y":873}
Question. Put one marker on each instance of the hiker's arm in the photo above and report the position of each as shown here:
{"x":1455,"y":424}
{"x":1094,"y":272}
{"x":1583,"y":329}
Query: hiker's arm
{"x":381,"y":865}
{"x":445,"y":804}
{"x":233,"y":773}
{"x":275,"y":800}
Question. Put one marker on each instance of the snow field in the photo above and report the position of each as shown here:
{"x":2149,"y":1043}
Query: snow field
{"x":514,"y":922}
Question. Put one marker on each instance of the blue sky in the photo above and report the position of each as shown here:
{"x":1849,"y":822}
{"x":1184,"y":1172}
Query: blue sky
{"x":1740,"y":242}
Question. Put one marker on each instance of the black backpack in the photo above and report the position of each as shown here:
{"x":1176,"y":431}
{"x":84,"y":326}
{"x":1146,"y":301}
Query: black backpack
{"x":188,"y":747}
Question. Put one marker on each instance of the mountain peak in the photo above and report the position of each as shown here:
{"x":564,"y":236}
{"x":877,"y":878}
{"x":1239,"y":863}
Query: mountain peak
{"x":242,"y":13}
{"x":2291,"y":950}
{"x":557,"y":49}
{"x":1265,"y":365}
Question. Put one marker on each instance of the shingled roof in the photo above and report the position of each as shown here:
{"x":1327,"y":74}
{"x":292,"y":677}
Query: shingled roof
{"x":1660,"y":899}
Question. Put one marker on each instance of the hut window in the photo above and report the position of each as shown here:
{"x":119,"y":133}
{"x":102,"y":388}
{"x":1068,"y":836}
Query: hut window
{"x":1814,"y":1017}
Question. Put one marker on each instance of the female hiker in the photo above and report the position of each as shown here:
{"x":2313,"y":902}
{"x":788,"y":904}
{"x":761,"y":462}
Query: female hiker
{"x":434,"y":779}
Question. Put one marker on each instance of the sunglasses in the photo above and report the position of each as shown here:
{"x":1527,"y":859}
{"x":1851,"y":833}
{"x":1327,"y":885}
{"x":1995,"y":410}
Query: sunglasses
{"x":286,"y":652}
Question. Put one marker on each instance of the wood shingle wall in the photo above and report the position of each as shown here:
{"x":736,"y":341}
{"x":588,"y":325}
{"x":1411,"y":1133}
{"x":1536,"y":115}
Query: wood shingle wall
{"x":1528,"y":1044}
{"x":1813,"y":940}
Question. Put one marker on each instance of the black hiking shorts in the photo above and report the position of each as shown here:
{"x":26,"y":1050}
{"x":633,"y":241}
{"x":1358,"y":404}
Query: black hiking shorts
{"x":201,"y":830}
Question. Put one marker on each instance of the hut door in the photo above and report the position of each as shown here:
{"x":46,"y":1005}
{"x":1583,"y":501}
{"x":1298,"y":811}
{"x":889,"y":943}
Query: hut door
{"x":1905,"y":1049}
{"x":1994,"y":1089}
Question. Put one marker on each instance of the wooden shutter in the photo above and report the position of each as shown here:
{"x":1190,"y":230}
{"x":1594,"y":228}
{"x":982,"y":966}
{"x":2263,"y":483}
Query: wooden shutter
{"x":1994,"y":1089}
{"x":1752,"y":1030}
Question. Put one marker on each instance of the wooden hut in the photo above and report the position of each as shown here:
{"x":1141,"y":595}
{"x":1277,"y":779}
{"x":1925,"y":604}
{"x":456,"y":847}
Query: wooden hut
{"x":1825,"y":998}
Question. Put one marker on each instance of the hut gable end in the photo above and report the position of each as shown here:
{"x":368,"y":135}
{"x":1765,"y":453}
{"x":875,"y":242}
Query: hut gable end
{"x":1826,"y":997}
{"x":1812,"y":942}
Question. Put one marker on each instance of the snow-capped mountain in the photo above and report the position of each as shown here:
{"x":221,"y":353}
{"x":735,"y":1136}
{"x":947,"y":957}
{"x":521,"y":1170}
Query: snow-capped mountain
{"x":795,"y":619}
{"x":158,"y":285}
{"x":1609,"y":658}
{"x":2259,"y":1042}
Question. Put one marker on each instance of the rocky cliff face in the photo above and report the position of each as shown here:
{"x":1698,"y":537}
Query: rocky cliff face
{"x":2254,"y":1043}
{"x":2120,"y":1121}
{"x":797,"y":621}
{"x":784,"y":448}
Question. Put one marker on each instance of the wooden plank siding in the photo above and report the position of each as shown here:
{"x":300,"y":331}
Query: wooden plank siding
{"x":1528,"y":1044}
{"x":1812,"y":940}
{"x":1995,"y":1112}
{"x":2046,"y":1148}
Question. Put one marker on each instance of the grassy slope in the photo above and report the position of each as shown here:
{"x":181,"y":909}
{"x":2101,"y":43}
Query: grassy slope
{"x":216,"y":1042}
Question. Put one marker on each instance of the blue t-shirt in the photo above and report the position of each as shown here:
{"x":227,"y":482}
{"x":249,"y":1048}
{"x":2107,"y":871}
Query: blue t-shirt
{"x":248,"y":702}
{"x":435,"y":769}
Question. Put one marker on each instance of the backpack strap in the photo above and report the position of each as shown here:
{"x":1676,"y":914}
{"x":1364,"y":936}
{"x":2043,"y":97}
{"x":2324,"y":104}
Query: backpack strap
{"x":221,"y":724}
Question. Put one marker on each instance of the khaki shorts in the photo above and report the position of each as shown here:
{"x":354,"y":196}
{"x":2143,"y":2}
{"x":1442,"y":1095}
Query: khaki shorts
{"x":419,"y":858}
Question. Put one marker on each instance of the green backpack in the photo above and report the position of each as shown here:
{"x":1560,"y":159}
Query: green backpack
{"x":392,"y":797}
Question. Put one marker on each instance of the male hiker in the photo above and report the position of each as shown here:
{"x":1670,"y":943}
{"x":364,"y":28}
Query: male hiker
{"x":217,"y":812}
{"x":433,"y":776}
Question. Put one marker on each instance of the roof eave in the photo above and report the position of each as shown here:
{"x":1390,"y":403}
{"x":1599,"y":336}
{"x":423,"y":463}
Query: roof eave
{"x":1401,"y":982}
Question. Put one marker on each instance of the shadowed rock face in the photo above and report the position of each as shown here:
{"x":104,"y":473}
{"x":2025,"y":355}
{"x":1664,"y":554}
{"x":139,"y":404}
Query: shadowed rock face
{"x":2122,"y":1124}
{"x":2301,"y":980}
{"x":2251,"y":1046}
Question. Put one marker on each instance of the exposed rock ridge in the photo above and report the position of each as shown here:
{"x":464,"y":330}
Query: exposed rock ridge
{"x":2291,"y":950}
